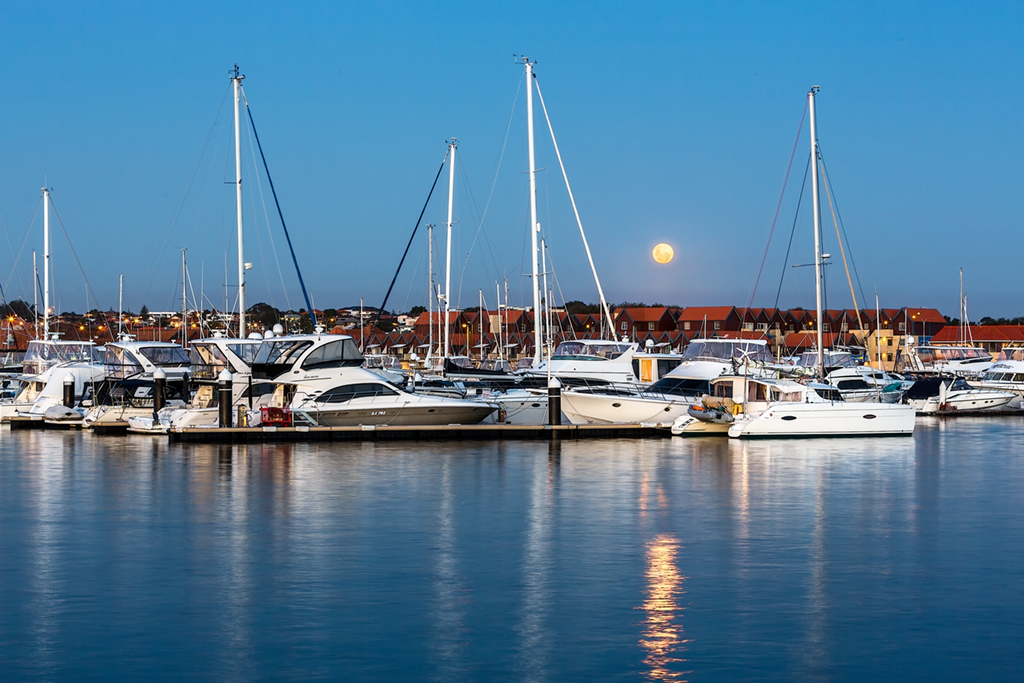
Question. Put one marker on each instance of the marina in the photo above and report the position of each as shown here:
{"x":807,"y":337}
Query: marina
{"x":665,"y":342}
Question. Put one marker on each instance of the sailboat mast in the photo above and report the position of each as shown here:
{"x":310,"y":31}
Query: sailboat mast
{"x":817,"y":230}
{"x":430,"y":287}
{"x":480,"y":325}
{"x":538,"y":325}
{"x":237,"y":81}
{"x":46,"y":263}
{"x":497,"y":297}
{"x":35,"y":293}
{"x":120,"y":305}
{"x":448,"y":257}
{"x":544,"y":302}
{"x":184,"y":304}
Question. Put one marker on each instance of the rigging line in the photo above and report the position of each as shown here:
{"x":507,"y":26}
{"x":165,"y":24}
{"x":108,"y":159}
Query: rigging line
{"x":778,"y":207}
{"x":24,"y":240}
{"x":181,"y":202}
{"x":572,"y":199}
{"x":266,"y":217}
{"x":270,"y":181}
{"x":497,"y":170}
{"x":792,"y":232}
{"x":842,"y":250}
{"x":842,"y":226}
{"x":475,"y":206}
{"x":88,"y":287}
{"x":376,"y":318}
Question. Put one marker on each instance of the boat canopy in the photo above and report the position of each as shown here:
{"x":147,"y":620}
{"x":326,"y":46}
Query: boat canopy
{"x":590,"y":350}
{"x":939,"y":354}
{"x":755,"y":350}
{"x":45,"y":353}
{"x":832,"y":359}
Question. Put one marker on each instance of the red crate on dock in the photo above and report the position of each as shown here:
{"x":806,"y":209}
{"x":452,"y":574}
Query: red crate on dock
{"x":275,"y":417}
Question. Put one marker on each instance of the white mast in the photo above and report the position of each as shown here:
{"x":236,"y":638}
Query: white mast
{"x":120,"y":305}
{"x":237,"y":81}
{"x":184,"y":304}
{"x":480,"y":325}
{"x":545,"y":299}
{"x":538,"y":325}
{"x":46,"y":263}
{"x":817,"y":232}
{"x":430,"y":287}
{"x":35,"y":294}
{"x":448,"y":258}
{"x":497,"y":297}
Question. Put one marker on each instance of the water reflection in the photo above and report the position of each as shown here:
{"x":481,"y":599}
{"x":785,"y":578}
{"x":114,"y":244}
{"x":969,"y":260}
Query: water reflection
{"x":663,"y":632}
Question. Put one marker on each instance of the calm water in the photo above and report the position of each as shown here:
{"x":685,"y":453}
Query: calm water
{"x":703,"y":560}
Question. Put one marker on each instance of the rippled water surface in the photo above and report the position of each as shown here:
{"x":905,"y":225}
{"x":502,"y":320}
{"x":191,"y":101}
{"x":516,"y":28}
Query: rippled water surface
{"x":662,"y":559}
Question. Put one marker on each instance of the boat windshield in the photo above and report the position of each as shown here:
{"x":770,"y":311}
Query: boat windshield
{"x":590,"y":350}
{"x":1011,"y":353}
{"x":947,"y":354}
{"x":208,"y":360}
{"x":121,"y":362}
{"x":337,"y":353}
{"x":166,"y":356}
{"x":832,"y":359}
{"x":726,"y":350}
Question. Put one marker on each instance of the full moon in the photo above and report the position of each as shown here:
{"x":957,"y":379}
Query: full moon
{"x":663,"y":253}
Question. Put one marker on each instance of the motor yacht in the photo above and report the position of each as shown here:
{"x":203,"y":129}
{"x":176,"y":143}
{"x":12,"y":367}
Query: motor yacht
{"x":731,"y":398}
{"x":938,"y":395}
{"x":319,"y":379}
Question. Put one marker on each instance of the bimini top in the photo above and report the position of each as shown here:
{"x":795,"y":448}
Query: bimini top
{"x":591,"y":349}
{"x":755,"y":350}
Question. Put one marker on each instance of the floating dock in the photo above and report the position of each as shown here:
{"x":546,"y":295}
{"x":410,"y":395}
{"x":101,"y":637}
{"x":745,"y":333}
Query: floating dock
{"x":487,"y":432}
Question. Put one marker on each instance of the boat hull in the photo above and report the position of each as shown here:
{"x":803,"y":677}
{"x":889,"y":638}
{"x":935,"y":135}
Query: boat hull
{"x":594,"y":408}
{"x":829,"y":420}
{"x":465,"y":412}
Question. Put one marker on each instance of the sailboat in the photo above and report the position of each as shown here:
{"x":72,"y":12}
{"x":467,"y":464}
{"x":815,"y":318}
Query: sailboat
{"x":821,"y":410}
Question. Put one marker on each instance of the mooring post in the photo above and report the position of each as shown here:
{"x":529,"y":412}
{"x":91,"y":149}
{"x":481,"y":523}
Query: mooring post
{"x":69,"y":390}
{"x":224,"y":397}
{"x":554,"y":402}
{"x":159,"y":391}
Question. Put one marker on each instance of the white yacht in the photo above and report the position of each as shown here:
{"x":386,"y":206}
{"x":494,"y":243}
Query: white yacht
{"x":819,"y":410}
{"x":938,"y":395}
{"x":1005,"y":374}
{"x":865,"y":384}
{"x":318,"y":378}
{"x":731,"y":398}
{"x":671,"y":396}
{"x":82,"y":359}
{"x":46,"y":390}
{"x":967,"y":361}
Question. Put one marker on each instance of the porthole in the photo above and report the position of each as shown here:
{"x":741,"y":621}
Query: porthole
{"x":869,"y":416}
{"x":789,"y":417}
{"x":616,"y":405}
{"x":535,"y":405}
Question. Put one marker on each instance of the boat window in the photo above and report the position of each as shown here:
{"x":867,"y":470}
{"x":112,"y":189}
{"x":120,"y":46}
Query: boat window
{"x":121,"y":362}
{"x":829,"y":394}
{"x":852,"y":384}
{"x":347,"y":392}
{"x":680,"y":386}
{"x":338,"y":353}
{"x":247,"y":352}
{"x":723,"y":390}
{"x":173,"y":356}
{"x":755,"y":391}
{"x":666,"y":365}
{"x":1018,"y":377}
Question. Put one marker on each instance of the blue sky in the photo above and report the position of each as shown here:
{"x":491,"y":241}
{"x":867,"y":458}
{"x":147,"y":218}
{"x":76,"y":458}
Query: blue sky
{"x":676,"y":121}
